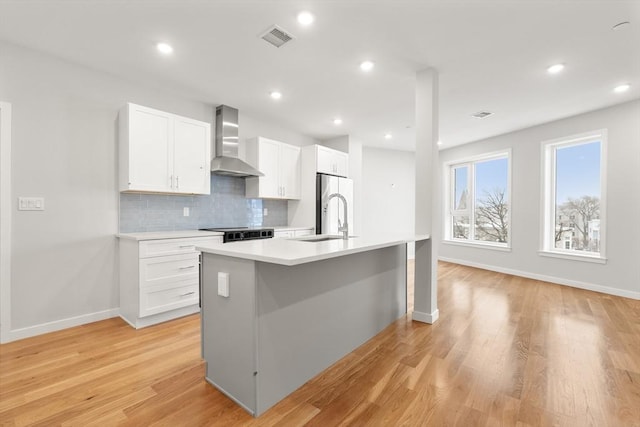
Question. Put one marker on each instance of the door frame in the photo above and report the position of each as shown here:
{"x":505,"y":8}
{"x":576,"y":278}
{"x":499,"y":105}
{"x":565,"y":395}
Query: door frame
{"x":5,"y":221}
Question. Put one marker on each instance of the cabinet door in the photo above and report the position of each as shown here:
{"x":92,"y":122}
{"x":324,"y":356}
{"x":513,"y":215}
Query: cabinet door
{"x":149,"y":146}
{"x":290,"y":171}
{"x":278,"y":234}
{"x":268,"y":161}
{"x":341,"y":162}
{"x":324,"y":160}
{"x":191,"y":148}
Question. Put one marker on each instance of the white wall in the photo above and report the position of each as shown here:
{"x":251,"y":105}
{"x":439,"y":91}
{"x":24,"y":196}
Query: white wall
{"x":256,"y":126}
{"x":621,"y":274}
{"x":64,"y":260}
{"x":388,"y":192}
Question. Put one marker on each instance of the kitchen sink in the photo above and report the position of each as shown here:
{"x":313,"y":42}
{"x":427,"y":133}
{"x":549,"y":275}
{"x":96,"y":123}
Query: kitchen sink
{"x":320,"y":238}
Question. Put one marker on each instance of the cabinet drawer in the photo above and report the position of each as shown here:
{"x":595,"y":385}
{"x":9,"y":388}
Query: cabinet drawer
{"x":283,"y":233}
{"x":152,"y":248}
{"x":159,"y":299}
{"x":169,"y":269}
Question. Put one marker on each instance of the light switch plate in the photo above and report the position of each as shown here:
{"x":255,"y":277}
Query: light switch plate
{"x":185,"y":211}
{"x":223,"y":284}
{"x":30,"y":203}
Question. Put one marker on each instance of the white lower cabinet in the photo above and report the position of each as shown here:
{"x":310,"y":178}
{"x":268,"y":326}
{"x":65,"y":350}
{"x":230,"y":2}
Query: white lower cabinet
{"x":292,"y":232}
{"x":160,"y":279}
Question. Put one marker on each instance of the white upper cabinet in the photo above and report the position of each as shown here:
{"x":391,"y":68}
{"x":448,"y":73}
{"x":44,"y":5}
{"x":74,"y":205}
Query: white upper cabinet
{"x":290,"y":171}
{"x":163,"y":152}
{"x":332,"y":162}
{"x":280,"y":164}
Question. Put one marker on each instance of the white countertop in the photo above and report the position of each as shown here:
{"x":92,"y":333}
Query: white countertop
{"x":155,"y":235}
{"x":294,"y":251}
{"x":286,"y":228}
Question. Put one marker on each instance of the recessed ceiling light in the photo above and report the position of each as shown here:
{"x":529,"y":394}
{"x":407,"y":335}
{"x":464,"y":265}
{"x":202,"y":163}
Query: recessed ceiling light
{"x":366,"y":66}
{"x":337,"y":121}
{"x":388,"y":136}
{"x":164,"y":48}
{"x":481,"y":114}
{"x":275,"y":95}
{"x":622,"y":88}
{"x":555,"y":69}
{"x":305,"y":18}
{"x":439,"y":143}
{"x":621,"y":25}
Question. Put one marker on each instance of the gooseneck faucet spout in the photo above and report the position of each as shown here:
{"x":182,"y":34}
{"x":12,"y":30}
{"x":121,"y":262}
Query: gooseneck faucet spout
{"x":344,"y":228}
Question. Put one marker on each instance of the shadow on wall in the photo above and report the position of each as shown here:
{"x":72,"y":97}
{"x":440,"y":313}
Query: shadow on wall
{"x":226,"y":206}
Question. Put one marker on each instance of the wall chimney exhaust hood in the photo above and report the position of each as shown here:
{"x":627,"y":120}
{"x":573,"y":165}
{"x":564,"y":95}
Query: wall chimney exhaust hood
{"x":226,"y":161}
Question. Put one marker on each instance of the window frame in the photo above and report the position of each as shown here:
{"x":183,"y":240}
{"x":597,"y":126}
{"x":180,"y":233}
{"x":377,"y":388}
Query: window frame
{"x":548,"y":196}
{"x":449,"y":200}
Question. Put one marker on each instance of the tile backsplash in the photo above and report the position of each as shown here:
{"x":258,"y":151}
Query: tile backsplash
{"x":226,"y":206}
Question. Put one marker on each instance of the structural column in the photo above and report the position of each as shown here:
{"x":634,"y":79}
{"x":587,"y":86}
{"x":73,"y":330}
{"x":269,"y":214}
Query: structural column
{"x":427,"y":190}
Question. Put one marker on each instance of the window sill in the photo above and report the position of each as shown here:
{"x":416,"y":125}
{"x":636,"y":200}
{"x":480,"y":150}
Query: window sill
{"x":574,"y":257}
{"x":477,"y":245}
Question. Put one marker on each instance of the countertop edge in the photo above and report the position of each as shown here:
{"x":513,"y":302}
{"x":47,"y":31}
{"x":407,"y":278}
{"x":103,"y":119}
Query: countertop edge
{"x":161,"y":235}
{"x":219,"y":249}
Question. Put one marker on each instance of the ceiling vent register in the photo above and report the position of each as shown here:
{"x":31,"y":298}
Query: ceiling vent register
{"x":276,"y":36}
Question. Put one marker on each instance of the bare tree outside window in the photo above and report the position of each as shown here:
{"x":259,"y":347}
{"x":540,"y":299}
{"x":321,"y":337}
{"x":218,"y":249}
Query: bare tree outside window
{"x":479,"y":200}
{"x":575,"y":195}
{"x":584,"y":216}
{"x":492,"y":216}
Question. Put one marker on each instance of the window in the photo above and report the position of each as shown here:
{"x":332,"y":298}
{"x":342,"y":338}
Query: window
{"x":574,"y":196}
{"x":478,"y":201}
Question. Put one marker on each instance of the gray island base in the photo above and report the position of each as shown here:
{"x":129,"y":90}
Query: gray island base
{"x":281,"y":324}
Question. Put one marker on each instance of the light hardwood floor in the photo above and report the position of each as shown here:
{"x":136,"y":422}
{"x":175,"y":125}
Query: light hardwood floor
{"x":506,"y":351}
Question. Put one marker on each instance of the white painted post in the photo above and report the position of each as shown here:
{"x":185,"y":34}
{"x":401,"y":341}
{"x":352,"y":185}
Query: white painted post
{"x":427,"y":189}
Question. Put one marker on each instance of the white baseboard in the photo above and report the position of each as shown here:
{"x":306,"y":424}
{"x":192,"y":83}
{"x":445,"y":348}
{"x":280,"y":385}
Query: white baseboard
{"x":143,"y":322}
{"x":551,"y":279}
{"x":430,"y":318}
{"x":57,"y":325}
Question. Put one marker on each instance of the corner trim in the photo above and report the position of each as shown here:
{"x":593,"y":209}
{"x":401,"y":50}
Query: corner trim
{"x":551,"y":279}
{"x":6,"y":213}
{"x":58,"y":325}
{"x":431,"y":318}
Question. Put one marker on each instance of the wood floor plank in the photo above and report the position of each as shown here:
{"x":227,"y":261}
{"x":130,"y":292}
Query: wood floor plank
{"x":506,"y":351}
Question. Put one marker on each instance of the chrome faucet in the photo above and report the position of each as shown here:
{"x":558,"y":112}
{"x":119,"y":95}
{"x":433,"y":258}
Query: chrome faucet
{"x":344,"y":228}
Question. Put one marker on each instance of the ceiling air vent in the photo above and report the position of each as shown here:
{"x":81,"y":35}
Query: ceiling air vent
{"x":276,"y":36}
{"x":481,"y":114}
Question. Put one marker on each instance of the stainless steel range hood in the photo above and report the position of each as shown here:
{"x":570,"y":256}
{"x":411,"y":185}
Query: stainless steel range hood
{"x":226,"y":161}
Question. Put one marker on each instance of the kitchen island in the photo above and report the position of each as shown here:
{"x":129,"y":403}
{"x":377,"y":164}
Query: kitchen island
{"x":277,"y":312}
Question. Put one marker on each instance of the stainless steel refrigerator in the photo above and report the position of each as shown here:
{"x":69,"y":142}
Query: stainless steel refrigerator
{"x":330,"y":213}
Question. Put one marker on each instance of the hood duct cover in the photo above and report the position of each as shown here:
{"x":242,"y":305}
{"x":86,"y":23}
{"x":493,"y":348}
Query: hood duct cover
{"x":226,"y":161}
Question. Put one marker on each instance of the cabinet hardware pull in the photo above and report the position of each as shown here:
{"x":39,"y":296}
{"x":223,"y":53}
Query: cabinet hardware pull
{"x":177,"y":181}
{"x":188,"y":293}
{"x":186,"y":246}
{"x":186,"y":268}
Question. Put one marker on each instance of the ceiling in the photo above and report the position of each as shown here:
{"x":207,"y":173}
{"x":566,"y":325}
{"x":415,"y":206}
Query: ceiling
{"x":490,"y":55}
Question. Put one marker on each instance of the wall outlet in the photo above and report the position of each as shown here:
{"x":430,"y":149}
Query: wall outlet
{"x":223,"y":284}
{"x":185,"y":211}
{"x":265,"y":212}
{"x":30,"y":203}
